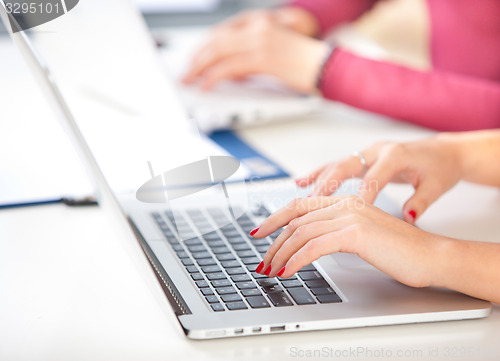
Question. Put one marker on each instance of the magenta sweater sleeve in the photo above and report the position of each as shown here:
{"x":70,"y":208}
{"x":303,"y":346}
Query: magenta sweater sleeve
{"x":333,"y":12}
{"x":435,"y":99}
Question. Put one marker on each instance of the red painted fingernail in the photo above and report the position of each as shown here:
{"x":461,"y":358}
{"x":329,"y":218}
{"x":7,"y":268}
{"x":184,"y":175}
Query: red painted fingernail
{"x":281,"y":272}
{"x":268,"y":270}
{"x":412,"y":214}
{"x":254,"y":231}
{"x":260,"y":267}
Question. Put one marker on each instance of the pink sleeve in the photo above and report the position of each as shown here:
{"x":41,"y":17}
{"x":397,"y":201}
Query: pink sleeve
{"x":439,"y":100}
{"x":334,"y":12}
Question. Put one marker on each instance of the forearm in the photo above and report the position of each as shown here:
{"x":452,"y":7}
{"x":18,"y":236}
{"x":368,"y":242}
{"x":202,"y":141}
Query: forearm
{"x":438,"y":100}
{"x":478,"y":155}
{"x":330,"y":13}
{"x":468,"y":267}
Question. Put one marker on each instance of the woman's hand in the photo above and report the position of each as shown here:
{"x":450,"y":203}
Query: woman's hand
{"x":325,"y":225}
{"x":432,"y":166}
{"x":258,"y":43}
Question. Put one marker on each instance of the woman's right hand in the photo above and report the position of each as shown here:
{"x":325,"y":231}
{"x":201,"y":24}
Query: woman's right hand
{"x":432,"y":166}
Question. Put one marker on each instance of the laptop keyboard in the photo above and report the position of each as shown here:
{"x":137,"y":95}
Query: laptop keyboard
{"x":222,"y":262}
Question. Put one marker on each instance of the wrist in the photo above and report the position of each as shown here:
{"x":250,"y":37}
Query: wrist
{"x":454,"y":149}
{"x":313,"y":62}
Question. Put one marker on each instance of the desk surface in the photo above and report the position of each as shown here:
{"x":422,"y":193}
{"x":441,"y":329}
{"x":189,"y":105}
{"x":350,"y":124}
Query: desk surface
{"x":72,"y":292}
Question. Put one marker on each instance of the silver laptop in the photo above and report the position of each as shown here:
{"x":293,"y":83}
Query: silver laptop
{"x":194,"y":236}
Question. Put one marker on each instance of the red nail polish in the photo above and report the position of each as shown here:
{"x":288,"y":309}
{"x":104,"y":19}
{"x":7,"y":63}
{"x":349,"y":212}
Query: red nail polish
{"x":412,"y":214}
{"x":260,"y":267}
{"x":254,"y":231}
{"x":281,"y":272}
{"x":268,"y":270}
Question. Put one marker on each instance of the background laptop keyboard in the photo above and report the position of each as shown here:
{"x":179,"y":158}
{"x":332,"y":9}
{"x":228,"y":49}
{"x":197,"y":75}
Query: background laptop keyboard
{"x":222,"y":262}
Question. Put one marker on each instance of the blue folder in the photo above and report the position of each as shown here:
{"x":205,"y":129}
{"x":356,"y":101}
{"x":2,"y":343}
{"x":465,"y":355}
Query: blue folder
{"x":261,"y":167}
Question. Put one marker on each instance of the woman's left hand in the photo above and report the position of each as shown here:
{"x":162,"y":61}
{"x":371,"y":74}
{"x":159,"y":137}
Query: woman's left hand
{"x":324,"y":225}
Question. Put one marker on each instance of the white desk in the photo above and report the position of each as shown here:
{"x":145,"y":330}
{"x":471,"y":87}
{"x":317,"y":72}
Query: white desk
{"x":70,"y":291}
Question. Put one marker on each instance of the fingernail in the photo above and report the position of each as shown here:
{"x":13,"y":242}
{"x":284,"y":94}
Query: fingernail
{"x":268,"y":270}
{"x":413,"y":214}
{"x":281,"y":272}
{"x":259,"y":267}
{"x":254,"y":231}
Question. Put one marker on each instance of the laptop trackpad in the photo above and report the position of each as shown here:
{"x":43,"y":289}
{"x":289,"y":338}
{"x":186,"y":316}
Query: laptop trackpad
{"x":348,"y":260}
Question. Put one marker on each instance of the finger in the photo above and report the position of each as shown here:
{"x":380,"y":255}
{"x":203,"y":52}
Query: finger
{"x":307,"y":180}
{"x":293,"y":227}
{"x":330,"y":180}
{"x":296,"y":208}
{"x":377,"y":178}
{"x":216,"y":50}
{"x":300,"y":237}
{"x":425,"y":194}
{"x":231,"y":68}
{"x":329,"y":243}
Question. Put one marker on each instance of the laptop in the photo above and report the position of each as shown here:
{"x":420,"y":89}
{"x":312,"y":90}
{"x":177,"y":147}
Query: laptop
{"x":195,"y":238}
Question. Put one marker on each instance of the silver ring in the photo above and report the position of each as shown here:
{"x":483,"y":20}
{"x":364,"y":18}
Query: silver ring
{"x":362,"y":159}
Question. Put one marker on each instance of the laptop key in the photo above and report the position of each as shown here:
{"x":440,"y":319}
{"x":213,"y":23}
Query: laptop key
{"x":216,"y":243}
{"x":211,"y":269}
{"x":301,"y":296}
{"x":231,"y":297}
{"x":206,"y":261}
{"x":291,"y":283}
{"x":196,"y":276}
{"x":217,"y":307}
{"x":251,"y":260}
{"x":241,"y":247}
{"x":221,"y":283}
{"x":201,"y":284}
{"x":192,"y":242}
{"x":257,"y":302}
{"x":262,"y":249}
{"x":307,"y":276}
{"x":230,"y":264}
{"x":206,"y":291}
{"x":244,"y":254}
{"x":245,"y":285}
{"x":322,"y":291}
{"x":192,"y":269}
{"x":317,"y":283}
{"x":220,"y":250}
{"x":260,"y":242}
{"x":225,"y":257}
{"x":252,"y":267}
{"x":248,"y":292}
{"x":182,"y":254}
{"x":216,"y":276}
{"x":236,"y":306}
{"x":280,"y":299}
{"x":236,"y":239}
{"x":187,"y":262}
{"x":225,"y":290}
{"x":267,"y":282}
{"x":197,"y":248}
{"x":199,"y":255}
{"x":177,"y":247}
{"x":241,"y":278}
{"x":272,"y":288}
{"x":235,"y":271}
{"x":212,"y":299}
{"x":329,"y":298}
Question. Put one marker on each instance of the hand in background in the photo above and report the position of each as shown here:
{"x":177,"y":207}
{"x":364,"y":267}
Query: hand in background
{"x":325,"y":225}
{"x":432,"y":166}
{"x":261,"y":42}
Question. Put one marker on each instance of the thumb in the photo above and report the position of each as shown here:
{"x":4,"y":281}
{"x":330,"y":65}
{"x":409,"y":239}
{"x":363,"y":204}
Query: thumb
{"x":425,"y":194}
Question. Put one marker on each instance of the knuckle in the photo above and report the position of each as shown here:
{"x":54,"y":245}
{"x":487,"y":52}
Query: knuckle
{"x":294,"y":224}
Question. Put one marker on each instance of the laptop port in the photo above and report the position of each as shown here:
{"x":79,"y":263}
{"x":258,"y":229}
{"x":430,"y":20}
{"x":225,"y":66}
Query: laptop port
{"x":277,"y":328}
{"x":256,"y":329}
{"x":238,"y":331}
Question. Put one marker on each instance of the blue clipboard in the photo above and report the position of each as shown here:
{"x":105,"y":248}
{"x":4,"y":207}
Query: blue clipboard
{"x":261,"y":167}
